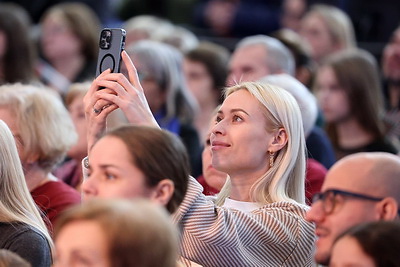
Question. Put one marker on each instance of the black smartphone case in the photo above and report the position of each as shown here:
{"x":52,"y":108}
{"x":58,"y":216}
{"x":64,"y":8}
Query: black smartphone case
{"x":111,"y":44}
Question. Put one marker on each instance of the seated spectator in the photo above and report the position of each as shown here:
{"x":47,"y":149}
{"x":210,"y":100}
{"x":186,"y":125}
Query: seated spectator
{"x":21,"y":226}
{"x":160,"y":69}
{"x":359,"y":188}
{"x":258,"y":140}
{"x":117,"y":233}
{"x":328,"y":30}
{"x":372,"y":244}
{"x":69,"y":45}
{"x":44,"y":133}
{"x":17,"y":51}
{"x":350,"y":96}
{"x":205,"y":69}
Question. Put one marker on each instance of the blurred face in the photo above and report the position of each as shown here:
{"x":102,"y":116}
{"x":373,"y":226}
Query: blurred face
{"x":57,"y":40}
{"x":112,"y":174}
{"x":347,"y":211}
{"x":239,"y":139}
{"x":332,"y":98}
{"x":315,"y":31}
{"x":81,"y":244}
{"x":248,"y":64}
{"x":152,"y":90}
{"x":77,"y":112}
{"x":9,"y":119}
{"x":199,"y":81}
{"x":391,"y":57}
{"x":347,"y":252}
{"x":213,"y":177}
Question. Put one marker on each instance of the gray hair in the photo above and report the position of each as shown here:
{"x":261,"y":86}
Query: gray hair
{"x":279,"y":59}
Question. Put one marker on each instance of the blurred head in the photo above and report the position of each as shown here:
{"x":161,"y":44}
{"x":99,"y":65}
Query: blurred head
{"x":39,"y":122}
{"x":213,"y":177}
{"x":11,"y":259}
{"x":348,"y":87}
{"x":305,"y":99}
{"x":70,"y":29}
{"x":159,"y":68}
{"x":74,"y":103}
{"x":115,"y":233}
{"x":359,"y":188}
{"x":136,"y":161}
{"x":305,"y":67}
{"x":205,"y":69}
{"x":16,"y":203}
{"x":256,"y":122}
{"x":146,"y":27}
{"x":391,"y":57}
{"x":373,"y":244}
{"x":181,"y":38}
{"x":257,"y":56}
{"x":327,"y":29}
{"x":17,"y":54}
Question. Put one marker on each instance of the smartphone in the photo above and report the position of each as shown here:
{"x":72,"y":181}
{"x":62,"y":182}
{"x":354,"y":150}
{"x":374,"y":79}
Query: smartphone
{"x":111,"y":44}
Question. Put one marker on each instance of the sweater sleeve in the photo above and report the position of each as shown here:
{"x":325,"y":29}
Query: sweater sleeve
{"x":274,"y":235}
{"x":33,"y":247}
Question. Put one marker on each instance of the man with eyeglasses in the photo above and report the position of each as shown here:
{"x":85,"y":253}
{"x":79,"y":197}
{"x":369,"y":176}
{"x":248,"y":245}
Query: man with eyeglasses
{"x":359,"y":188}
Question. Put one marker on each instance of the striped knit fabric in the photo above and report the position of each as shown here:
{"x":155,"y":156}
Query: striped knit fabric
{"x":274,"y":235}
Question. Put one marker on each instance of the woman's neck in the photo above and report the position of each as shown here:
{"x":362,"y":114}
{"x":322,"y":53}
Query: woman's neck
{"x":394,"y":96}
{"x":36,"y":176}
{"x":69,"y":66}
{"x":241,"y":184}
{"x":352,"y":135}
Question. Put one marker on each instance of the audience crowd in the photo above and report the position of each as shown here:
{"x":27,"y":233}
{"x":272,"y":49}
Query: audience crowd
{"x":258,"y":133}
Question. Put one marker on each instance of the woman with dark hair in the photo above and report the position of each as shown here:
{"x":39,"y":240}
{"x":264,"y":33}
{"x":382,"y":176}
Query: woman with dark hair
{"x":138,"y":161}
{"x":350,"y":96}
{"x":17,"y":53}
{"x":374,"y":244}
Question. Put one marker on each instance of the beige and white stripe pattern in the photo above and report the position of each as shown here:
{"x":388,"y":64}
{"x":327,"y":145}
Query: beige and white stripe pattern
{"x":274,"y":235}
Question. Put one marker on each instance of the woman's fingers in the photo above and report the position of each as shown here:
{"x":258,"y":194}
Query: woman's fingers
{"x":132,"y":72}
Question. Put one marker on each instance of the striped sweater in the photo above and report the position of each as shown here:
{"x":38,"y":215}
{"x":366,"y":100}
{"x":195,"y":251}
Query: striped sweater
{"x":274,"y":235}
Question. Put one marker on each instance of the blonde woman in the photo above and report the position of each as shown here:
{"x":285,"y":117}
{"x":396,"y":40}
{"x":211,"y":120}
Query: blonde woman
{"x":258,"y":139}
{"x":21,"y":226}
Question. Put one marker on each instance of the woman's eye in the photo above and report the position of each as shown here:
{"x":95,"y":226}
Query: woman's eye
{"x":110,"y":176}
{"x":236,"y":118}
{"x":218,"y":119}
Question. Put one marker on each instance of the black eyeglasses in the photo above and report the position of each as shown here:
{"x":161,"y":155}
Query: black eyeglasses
{"x":329,"y":199}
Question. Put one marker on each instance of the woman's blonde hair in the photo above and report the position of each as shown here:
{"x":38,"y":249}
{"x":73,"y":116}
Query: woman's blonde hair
{"x":284,"y":181}
{"x":16,"y":203}
{"x":138,"y":232}
{"x":45,"y":127}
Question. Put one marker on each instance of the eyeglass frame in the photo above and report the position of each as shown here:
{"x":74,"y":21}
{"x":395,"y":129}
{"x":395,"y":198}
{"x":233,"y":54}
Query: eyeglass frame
{"x":323,"y":196}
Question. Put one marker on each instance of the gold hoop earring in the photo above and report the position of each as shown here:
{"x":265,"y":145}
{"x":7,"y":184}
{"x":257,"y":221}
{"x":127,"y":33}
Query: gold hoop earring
{"x":271,"y":158}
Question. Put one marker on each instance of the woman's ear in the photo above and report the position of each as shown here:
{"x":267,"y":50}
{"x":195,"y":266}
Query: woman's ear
{"x":279,"y":141}
{"x":162,"y":192}
{"x":388,"y":209}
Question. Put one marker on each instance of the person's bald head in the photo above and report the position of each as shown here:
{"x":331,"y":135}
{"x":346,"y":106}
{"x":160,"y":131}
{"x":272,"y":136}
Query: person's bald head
{"x":372,"y":172}
{"x":362,"y":187}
